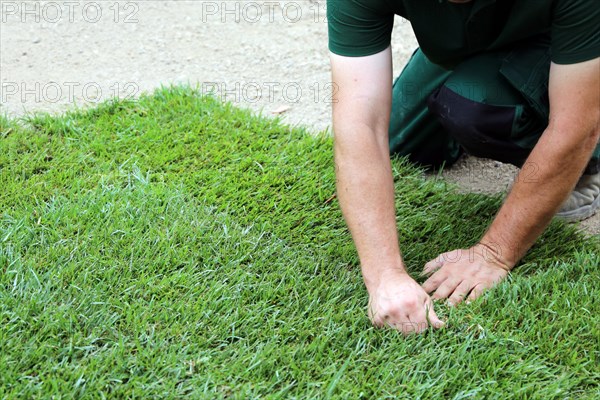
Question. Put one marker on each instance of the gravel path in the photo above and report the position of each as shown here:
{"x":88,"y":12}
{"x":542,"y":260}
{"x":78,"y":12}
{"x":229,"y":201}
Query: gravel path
{"x":270,"y":56}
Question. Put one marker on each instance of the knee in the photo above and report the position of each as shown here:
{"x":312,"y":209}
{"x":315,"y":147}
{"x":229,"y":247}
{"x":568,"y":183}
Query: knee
{"x":462,"y":117}
{"x":483,"y":130}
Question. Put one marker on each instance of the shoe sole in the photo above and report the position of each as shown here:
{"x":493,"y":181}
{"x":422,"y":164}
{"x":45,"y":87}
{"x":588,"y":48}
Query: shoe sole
{"x":581,"y":213}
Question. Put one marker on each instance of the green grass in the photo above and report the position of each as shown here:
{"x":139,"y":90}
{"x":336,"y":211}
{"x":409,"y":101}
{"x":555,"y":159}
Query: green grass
{"x":178,"y":247}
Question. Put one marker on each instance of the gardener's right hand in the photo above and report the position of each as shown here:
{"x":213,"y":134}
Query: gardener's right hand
{"x":397,"y":301}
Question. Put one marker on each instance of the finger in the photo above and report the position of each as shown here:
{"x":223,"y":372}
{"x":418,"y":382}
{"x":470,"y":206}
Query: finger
{"x":377,"y":319}
{"x":413,"y":321}
{"x":409,"y":328}
{"x":417,"y":323}
{"x":432,"y":266}
{"x":460,"y":293}
{"x":388,"y":320}
{"x":394,"y":321}
{"x":377,"y":323}
{"x":432,"y":317}
{"x":476,"y":292}
{"x":445,"y":288}
{"x":403,"y":325}
{"x":434,"y":281}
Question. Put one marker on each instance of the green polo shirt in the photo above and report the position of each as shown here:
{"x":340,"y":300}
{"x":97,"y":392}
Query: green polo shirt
{"x":450,"y":32}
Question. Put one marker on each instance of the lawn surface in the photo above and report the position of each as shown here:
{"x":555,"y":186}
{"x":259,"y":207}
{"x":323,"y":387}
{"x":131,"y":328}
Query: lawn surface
{"x":177,"y":247}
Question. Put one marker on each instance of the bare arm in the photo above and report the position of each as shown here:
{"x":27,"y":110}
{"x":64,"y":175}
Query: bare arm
{"x":558,"y":161}
{"x":361,"y":113}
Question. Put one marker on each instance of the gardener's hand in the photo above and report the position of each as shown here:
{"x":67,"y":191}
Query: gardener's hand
{"x":399,"y":302}
{"x":465,"y":273}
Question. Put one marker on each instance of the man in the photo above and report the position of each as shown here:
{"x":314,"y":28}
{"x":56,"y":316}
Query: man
{"x":513,"y":80}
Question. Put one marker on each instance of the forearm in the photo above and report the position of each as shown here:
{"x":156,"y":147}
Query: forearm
{"x":549,"y":175}
{"x":366,"y":194}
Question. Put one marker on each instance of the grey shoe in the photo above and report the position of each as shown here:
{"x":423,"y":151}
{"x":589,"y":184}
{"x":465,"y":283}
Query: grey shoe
{"x":584,"y":201}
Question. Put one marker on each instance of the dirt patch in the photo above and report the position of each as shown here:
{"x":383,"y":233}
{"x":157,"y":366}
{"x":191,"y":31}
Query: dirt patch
{"x":269,"y":56}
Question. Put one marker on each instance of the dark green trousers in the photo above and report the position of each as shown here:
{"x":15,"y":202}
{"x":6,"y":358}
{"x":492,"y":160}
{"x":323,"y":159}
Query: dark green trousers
{"x":493,"y":105}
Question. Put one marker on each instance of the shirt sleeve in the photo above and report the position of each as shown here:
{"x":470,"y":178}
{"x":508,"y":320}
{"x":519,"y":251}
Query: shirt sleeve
{"x":359,"y":27}
{"x":575,"y":31}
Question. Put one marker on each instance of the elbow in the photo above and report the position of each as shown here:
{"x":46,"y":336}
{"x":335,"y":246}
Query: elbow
{"x":583,"y":133}
{"x":358,"y":137}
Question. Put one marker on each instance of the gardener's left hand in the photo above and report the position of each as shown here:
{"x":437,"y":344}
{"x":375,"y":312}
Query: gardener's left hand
{"x":464,"y":273}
